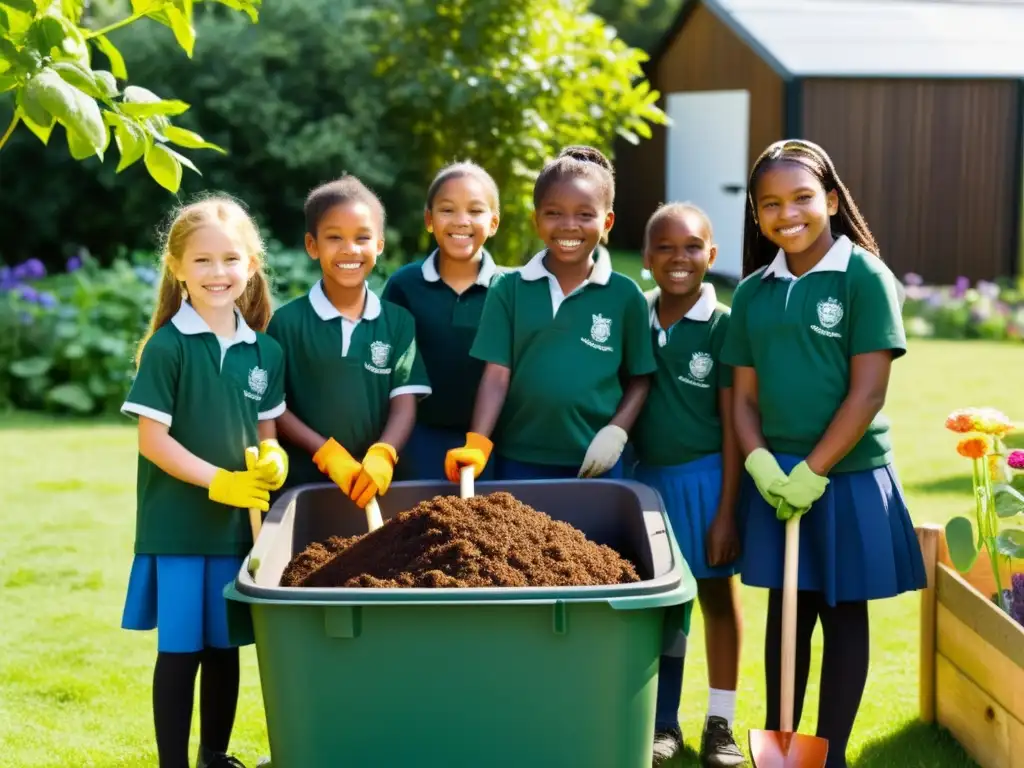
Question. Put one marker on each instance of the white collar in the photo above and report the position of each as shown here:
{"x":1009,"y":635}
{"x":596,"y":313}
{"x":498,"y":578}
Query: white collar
{"x":700,"y":312}
{"x":487,"y":269}
{"x":327,"y":311}
{"x":188,"y":322}
{"x":534,"y":269}
{"x":836,"y":260}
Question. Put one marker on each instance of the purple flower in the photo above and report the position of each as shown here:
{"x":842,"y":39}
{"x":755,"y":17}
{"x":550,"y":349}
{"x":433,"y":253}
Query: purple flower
{"x":962,"y":284}
{"x":935,"y":300}
{"x":1016,"y":461}
{"x":28,"y":293}
{"x":912,"y":278}
{"x":47,"y":300}
{"x":1017,"y":581}
{"x":32,"y":269}
{"x":74,"y":263}
{"x":988,"y":289}
{"x":7,"y":279}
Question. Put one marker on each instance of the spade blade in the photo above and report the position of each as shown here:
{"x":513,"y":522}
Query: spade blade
{"x":780,"y":749}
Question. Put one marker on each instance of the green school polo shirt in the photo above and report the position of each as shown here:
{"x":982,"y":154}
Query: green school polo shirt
{"x":446,"y":323}
{"x":210,"y":393}
{"x":680,"y":421}
{"x":341,"y":375}
{"x":799,"y":335}
{"x":569,"y":356}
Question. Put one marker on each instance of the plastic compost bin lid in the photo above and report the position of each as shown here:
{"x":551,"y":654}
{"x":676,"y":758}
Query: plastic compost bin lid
{"x":626,"y":515}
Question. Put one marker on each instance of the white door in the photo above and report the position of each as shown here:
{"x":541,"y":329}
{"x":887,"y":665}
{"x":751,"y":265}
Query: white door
{"x":706,"y":164}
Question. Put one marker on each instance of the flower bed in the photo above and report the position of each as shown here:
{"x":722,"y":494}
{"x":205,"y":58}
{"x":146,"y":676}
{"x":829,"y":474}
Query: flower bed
{"x":987,"y":310}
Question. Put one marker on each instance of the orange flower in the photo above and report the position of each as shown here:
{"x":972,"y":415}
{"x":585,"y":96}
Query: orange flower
{"x":973,"y":447}
{"x":989,"y":421}
{"x":960,"y":421}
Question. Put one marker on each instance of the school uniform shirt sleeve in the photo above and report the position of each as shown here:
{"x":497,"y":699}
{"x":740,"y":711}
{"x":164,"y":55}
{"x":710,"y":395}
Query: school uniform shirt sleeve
{"x":273,"y":399}
{"x":876,"y":322}
{"x":736,"y":350}
{"x":493,"y":342}
{"x":638,"y":354}
{"x":717,"y":342}
{"x":393,"y":292}
{"x":156,"y":382}
{"x":409,"y":374}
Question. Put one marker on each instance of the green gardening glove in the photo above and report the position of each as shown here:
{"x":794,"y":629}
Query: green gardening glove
{"x":787,"y":510}
{"x":767,"y":475}
{"x":804,"y":487}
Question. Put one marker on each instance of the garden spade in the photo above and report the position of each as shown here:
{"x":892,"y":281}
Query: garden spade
{"x":252,"y":454}
{"x":466,"y":482}
{"x":785,"y":748}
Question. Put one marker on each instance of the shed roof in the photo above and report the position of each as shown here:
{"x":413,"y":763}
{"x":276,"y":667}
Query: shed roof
{"x":879,"y":38}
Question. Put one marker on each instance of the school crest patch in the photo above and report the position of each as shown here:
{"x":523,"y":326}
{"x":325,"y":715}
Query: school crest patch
{"x":701,"y":365}
{"x":258,"y":380}
{"x":379,"y":352}
{"x":830,"y":312}
{"x":601,"y":329}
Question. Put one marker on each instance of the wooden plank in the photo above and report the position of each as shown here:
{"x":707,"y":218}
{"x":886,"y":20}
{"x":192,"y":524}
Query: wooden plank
{"x":989,"y":669}
{"x":928,"y":536}
{"x":980,"y":576}
{"x":980,"y":725}
{"x":980,"y":614}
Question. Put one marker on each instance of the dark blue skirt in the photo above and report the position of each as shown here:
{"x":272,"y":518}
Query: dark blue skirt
{"x":510,"y":469}
{"x":423,"y":455}
{"x":856,"y":543}
{"x":691,"y":493}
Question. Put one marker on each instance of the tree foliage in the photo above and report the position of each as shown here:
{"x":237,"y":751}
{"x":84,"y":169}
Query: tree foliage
{"x":507,"y":83}
{"x":46,"y":62}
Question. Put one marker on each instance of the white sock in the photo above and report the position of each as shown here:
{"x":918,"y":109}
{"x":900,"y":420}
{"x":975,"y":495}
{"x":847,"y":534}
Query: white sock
{"x":722,"y":704}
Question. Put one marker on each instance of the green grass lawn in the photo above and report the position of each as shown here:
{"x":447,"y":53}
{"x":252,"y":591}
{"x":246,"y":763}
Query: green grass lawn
{"x":75,"y":689}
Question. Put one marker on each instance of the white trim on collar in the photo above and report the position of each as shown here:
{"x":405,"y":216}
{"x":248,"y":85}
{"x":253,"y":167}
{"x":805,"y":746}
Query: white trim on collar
{"x":836,"y":260}
{"x":327,"y":311}
{"x":487,"y":269}
{"x":189,"y":322}
{"x":700,"y":312}
{"x":534,"y":269}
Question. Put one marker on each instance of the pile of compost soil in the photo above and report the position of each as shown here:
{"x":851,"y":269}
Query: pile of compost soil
{"x":485,"y":541}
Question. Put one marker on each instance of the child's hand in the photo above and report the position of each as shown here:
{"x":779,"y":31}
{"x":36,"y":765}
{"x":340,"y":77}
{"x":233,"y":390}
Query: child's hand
{"x":335,"y":462}
{"x":804,"y":487}
{"x":375,"y":475}
{"x":474,"y":453}
{"x":271,"y":462}
{"x":786,"y":510}
{"x":604,"y":451}
{"x":723,"y":541}
{"x":767,"y":475}
{"x":246,"y":489}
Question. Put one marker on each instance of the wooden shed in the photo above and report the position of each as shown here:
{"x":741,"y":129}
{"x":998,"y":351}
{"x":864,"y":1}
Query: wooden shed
{"x":920,"y":103}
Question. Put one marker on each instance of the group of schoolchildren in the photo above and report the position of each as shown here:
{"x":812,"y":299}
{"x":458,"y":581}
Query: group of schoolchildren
{"x":739,"y":419}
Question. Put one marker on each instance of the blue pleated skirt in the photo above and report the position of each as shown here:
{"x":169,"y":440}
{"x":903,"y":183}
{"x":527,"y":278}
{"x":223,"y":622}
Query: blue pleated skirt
{"x":181,"y":596}
{"x":510,"y":469}
{"x":856,"y":543}
{"x":691,"y":493}
{"x":422,"y":458}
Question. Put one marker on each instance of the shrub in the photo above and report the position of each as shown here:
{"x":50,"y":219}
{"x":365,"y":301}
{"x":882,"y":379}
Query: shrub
{"x":988,"y":310}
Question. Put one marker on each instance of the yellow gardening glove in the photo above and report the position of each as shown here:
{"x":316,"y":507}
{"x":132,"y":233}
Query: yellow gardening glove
{"x":335,"y":462}
{"x":474,"y":453}
{"x":375,"y":475}
{"x":270,"y":461}
{"x":246,"y":489}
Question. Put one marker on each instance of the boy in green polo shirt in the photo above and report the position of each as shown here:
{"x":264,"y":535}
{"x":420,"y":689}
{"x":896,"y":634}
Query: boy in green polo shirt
{"x":209,"y":385}
{"x":352,"y":370}
{"x":559,"y":336}
{"x":815,"y":328}
{"x":445,"y":294}
{"x":686,"y":450}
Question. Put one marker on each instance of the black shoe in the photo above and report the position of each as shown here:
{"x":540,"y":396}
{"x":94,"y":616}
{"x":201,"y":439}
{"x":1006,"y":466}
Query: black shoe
{"x":667,"y":744}
{"x":718,"y":749}
{"x":220,"y":761}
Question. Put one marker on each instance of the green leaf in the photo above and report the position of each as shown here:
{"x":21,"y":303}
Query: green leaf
{"x":81,"y":147}
{"x":1010,"y":542}
{"x":250,"y":7}
{"x":8,"y":83}
{"x":142,"y":102}
{"x":963,"y":550}
{"x":113,"y":55}
{"x":31,"y":367}
{"x":34,"y":111}
{"x":1009,"y":501}
{"x":132,"y":142}
{"x":25,"y":6}
{"x":72,"y":108}
{"x":5,"y":23}
{"x":183,"y":30}
{"x":183,"y":160}
{"x":189,"y":139}
{"x":45,"y":34}
{"x":42,"y":132}
{"x":164,"y":167}
{"x":80,"y":77}
{"x":147,"y":6}
{"x":73,"y":9}
{"x":72,"y":396}
{"x":106,"y":82}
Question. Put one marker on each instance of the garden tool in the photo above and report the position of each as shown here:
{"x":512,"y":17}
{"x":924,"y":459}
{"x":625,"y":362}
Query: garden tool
{"x":466,"y":482}
{"x":252,"y":453}
{"x":373,"y":518}
{"x":784,"y":748}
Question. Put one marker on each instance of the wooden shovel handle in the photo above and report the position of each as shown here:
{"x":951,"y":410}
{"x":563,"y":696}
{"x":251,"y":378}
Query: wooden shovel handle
{"x":255,"y":522}
{"x":789,"y":595}
{"x":466,"y":482}
{"x":373,"y":518}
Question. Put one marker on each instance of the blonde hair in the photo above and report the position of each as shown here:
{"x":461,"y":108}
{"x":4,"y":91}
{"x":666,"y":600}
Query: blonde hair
{"x":223,"y":211}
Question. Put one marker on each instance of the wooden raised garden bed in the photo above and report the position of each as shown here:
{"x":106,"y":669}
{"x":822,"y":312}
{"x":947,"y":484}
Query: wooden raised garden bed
{"x":972,"y":658}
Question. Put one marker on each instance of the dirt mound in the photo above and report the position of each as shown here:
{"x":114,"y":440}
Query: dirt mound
{"x":485,"y":541}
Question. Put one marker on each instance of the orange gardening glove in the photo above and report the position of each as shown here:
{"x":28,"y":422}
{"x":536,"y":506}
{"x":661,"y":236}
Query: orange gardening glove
{"x":335,"y":462}
{"x":375,"y":474}
{"x":474,"y":453}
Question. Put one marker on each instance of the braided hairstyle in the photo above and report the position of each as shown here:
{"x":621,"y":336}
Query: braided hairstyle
{"x":758,"y":250}
{"x":577,"y":162}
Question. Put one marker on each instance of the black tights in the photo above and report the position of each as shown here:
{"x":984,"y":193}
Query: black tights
{"x":844,"y":665}
{"x":174,"y":681}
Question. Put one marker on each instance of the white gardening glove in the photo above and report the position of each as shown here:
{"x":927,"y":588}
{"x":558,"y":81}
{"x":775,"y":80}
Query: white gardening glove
{"x":605,"y":449}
